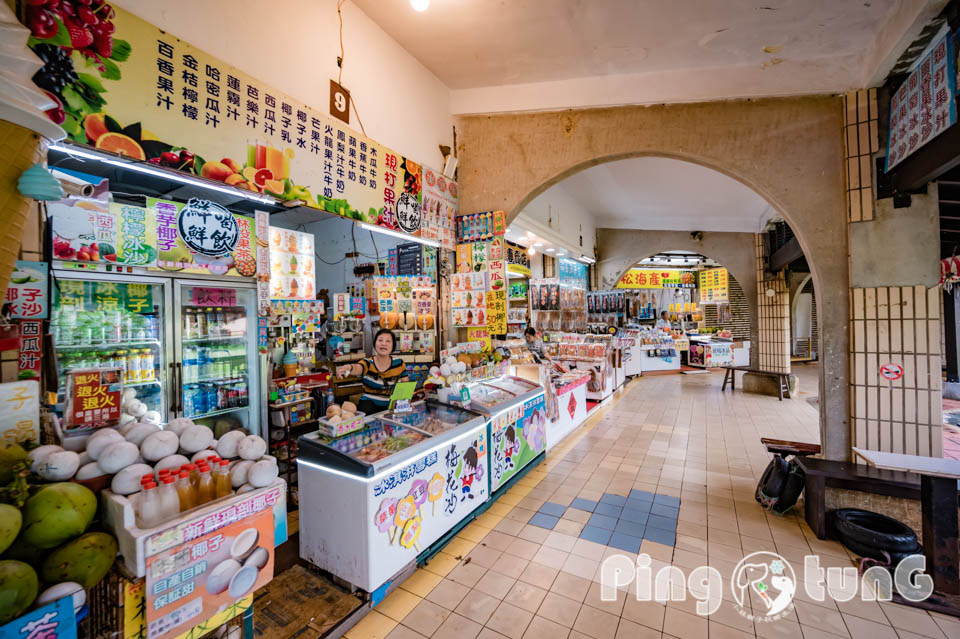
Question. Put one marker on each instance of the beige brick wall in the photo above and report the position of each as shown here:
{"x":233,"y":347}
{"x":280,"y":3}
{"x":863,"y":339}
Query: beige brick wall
{"x":773,"y":339}
{"x":859,"y":142}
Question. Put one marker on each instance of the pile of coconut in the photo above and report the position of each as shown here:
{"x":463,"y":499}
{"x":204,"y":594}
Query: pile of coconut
{"x":338,"y":414}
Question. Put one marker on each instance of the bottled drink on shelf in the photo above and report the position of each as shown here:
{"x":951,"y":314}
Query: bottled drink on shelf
{"x":201,"y":323}
{"x":148,"y":506}
{"x":205,"y":487}
{"x":113,"y":333}
{"x":222,"y":479}
{"x":185,"y":494}
{"x":147,"y":373}
{"x":132,"y":374}
{"x":222,"y":330}
{"x":213,"y":330}
{"x":169,"y":500}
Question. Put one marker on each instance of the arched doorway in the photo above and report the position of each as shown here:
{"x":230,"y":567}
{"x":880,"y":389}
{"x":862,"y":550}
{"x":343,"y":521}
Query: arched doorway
{"x":787,"y":151}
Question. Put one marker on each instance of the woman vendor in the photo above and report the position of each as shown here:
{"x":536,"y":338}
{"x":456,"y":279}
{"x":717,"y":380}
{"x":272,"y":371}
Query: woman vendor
{"x":379,"y":374}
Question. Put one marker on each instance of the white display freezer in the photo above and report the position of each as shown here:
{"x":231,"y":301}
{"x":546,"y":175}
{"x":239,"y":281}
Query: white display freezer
{"x":373,"y":500}
{"x":518,"y":425}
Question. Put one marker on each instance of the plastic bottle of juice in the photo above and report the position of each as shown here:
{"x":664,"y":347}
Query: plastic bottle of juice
{"x":205,"y":488}
{"x":148,"y":506}
{"x":147,"y":374}
{"x":186,"y":495}
{"x":169,"y":499}
{"x":201,"y":324}
{"x":133,"y":367}
{"x":194,"y":475}
{"x":221,"y":479}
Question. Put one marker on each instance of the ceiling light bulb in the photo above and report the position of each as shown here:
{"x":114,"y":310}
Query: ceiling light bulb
{"x":538,"y":244}
{"x":529,"y":234}
{"x":419,"y":5}
{"x":531,"y":251}
{"x":549,"y":250}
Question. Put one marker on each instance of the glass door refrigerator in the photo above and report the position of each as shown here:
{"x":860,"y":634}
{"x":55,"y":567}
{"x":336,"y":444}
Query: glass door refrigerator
{"x":215,"y":353}
{"x":100,"y":320}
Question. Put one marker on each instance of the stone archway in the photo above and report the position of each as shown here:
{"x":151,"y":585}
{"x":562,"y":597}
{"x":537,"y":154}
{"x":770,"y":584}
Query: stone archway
{"x":790,"y":151}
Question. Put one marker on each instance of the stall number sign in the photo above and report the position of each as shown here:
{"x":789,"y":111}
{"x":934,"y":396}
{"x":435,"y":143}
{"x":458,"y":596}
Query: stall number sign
{"x":339,"y":102}
{"x":891,"y":372}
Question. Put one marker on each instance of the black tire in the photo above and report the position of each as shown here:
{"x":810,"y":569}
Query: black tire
{"x":877,"y":553}
{"x":791,"y":490}
{"x":873,"y":530}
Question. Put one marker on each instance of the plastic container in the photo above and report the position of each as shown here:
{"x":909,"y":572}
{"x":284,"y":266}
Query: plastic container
{"x":186,"y":495}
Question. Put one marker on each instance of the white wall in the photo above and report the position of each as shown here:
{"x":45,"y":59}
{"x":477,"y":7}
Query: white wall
{"x":294,"y":47}
{"x":557,"y":212}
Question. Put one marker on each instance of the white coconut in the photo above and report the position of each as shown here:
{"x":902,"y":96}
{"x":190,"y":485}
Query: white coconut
{"x":445,"y":371}
{"x":178,"y":425}
{"x":152,"y":417}
{"x":170,"y":461}
{"x":158,"y":445}
{"x":228,"y":443}
{"x":460,"y":367}
{"x":252,"y":447}
{"x":238,"y":472}
{"x":39,"y":454}
{"x":61,"y":590}
{"x":59,"y":465}
{"x":127,"y":481}
{"x":129,"y":393}
{"x":100,"y":440}
{"x":135,"y":407}
{"x":84,"y":458}
{"x":258,"y":558}
{"x":89,"y":471}
{"x":126,"y":423}
{"x":450,"y":361}
{"x":246,"y":488}
{"x":262,"y":473}
{"x":117,"y":456}
{"x":195,"y":438}
{"x":140,"y":432}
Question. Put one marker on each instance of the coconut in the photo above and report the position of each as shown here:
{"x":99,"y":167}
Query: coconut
{"x":262,"y":473}
{"x":57,"y":513}
{"x":228,"y":443}
{"x":39,"y":454}
{"x":238,"y":473}
{"x":219,"y":578}
{"x":61,"y":590}
{"x":152,"y":417}
{"x":19,"y":584}
{"x":117,"y":456}
{"x":178,"y":425}
{"x":60,"y":465}
{"x":89,"y":471}
{"x":170,"y":461}
{"x":349,"y":407}
{"x":159,"y":445}
{"x":100,"y":440}
{"x":252,"y":447}
{"x":195,"y":438}
{"x":140,"y":432}
{"x":127,"y":481}
{"x":258,"y":558}
{"x":246,"y":488}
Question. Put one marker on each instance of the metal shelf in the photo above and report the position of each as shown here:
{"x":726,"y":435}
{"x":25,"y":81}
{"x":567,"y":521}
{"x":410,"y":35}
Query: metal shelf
{"x":222,"y":411}
{"x":104,"y":346}
{"x":148,"y":382}
{"x":217,"y":338}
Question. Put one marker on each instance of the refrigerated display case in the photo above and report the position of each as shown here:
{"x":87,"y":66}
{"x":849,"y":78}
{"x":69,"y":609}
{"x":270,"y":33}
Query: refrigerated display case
{"x":518,"y":424}
{"x":373,"y":500}
{"x":179,"y":364}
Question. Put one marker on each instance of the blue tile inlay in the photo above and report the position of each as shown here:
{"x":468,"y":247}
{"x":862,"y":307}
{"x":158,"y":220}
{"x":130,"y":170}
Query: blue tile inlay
{"x":544,"y":521}
{"x":643,"y":506}
{"x":635,"y":516}
{"x":664,"y":511}
{"x":616,"y":500}
{"x":603,"y":521}
{"x":629,"y":528}
{"x":584,"y":504}
{"x":553,"y":509}
{"x":660,"y":536}
{"x":608,"y":509}
{"x":663,"y":523}
{"x":667,"y":500}
{"x":595,"y":534}
{"x":641,"y":495}
{"x":625,"y":542}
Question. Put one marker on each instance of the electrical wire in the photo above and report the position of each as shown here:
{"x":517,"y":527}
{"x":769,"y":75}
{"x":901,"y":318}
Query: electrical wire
{"x":343,"y":57}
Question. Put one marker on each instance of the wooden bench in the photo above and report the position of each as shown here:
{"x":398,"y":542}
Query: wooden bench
{"x":783,"y":379}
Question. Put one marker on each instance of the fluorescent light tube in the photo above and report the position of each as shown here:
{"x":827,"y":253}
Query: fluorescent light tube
{"x":402,"y":236}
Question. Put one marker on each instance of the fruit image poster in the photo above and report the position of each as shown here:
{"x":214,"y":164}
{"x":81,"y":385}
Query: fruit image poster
{"x":222,"y":556}
{"x":90,"y":230}
{"x":144,"y":93}
{"x":200,"y":236}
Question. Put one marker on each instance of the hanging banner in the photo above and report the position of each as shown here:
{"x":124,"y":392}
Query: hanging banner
{"x":497,"y":294}
{"x":26,"y":296}
{"x":925,"y":105}
{"x":31,"y":337}
{"x":714,"y":286}
{"x":441,"y":205}
{"x":94,"y":231}
{"x":103,"y":296}
{"x":141,"y":92}
{"x":658,"y":278}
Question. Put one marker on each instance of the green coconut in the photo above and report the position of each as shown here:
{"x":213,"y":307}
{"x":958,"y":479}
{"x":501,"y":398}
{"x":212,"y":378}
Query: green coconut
{"x":10,"y":521}
{"x":85,"y":560}
{"x":18,"y":589}
{"x":11,"y":454}
{"x":58,"y":513}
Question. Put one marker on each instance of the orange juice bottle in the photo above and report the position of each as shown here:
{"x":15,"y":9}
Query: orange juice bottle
{"x":185,"y":491}
{"x":194,"y":475}
{"x":205,"y":490}
{"x":222,"y":479}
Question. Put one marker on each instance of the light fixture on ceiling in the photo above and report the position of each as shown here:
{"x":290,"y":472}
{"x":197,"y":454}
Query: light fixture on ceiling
{"x":398,"y":234}
{"x":549,"y":250}
{"x":531,"y":251}
{"x":538,"y":244}
{"x":419,"y":5}
{"x":560,"y":254}
{"x":530,"y":235}
{"x":134,"y":165}
{"x":587,"y":259}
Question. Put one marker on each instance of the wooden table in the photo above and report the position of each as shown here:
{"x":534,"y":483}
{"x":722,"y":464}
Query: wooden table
{"x":938,"y":502}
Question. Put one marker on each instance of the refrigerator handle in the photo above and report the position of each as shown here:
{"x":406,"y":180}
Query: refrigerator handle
{"x":174,"y":389}
{"x":179,"y":387}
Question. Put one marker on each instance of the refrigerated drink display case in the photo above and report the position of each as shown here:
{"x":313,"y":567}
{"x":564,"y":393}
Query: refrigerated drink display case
{"x":112,"y":324}
{"x":372,"y":500}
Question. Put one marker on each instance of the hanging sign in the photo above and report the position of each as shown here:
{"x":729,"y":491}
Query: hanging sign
{"x":658,"y":278}
{"x":20,"y":411}
{"x":441,"y":204}
{"x":94,"y":231}
{"x":714,"y":284}
{"x":31,"y":335}
{"x":26,"y":296}
{"x":925,"y":105}
{"x":891,"y":372}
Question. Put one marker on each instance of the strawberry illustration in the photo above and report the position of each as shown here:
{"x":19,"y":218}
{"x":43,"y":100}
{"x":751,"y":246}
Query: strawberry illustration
{"x":80,"y":36}
{"x":103,"y":43}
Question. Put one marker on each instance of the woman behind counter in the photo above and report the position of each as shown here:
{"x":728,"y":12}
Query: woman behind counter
{"x":379,"y":374}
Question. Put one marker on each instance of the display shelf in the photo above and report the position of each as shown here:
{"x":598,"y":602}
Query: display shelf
{"x":214,"y":378}
{"x":216,"y":338}
{"x":518,"y":299}
{"x":349,"y":358}
{"x":293,"y":403}
{"x":149,"y":382}
{"x":111,"y":345}
{"x":214,"y":413}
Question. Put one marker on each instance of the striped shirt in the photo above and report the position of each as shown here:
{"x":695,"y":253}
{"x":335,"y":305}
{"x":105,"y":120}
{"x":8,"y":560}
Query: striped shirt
{"x":377,"y":385}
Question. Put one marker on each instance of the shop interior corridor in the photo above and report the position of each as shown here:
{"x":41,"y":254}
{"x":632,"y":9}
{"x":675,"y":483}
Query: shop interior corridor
{"x":692,"y":453}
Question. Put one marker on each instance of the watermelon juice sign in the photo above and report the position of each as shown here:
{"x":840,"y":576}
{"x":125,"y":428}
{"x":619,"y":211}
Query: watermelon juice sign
{"x":144,"y":93}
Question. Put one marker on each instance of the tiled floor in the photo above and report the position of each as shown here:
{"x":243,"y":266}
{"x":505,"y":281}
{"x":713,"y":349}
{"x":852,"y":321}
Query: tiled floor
{"x":528,"y":568}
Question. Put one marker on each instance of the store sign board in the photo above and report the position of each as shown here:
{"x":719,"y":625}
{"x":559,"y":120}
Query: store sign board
{"x":925,"y":105}
{"x":94,"y":396}
{"x":158,"y":94}
{"x":262,"y":226}
{"x":204,"y":296}
{"x":20,"y":411}
{"x":516,"y":437}
{"x":202,"y":237}
{"x":292,"y":265}
{"x":572,"y":272}
{"x":97,"y":232}
{"x":658,"y":278}
{"x":208,"y":563}
{"x":714,"y":284}
{"x":56,"y":620}
{"x":480,"y":334}
{"x":26,"y":296}
{"x":31,"y":349}
{"x":103,"y":296}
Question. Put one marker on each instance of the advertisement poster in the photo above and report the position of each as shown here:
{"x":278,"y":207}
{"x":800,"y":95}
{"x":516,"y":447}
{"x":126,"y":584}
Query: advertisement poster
{"x":481,"y":335}
{"x":925,"y":105}
{"x":102,"y":296}
{"x":56,"y":620}
{"x":714,"y":286}
{"x":26,"y":296}
{"x":292,"y":267}
{"x":94,"y":231}
{"x":658,"y":278}
{"x":20,"y":411}
{"x":572,"y":272}
{"x":262,"y":228}
{"x":207,"y":564}
{"x":516,"y":437}
{"x":93,"y":397}
{"x":146,"y":94}
{"x":441,"y":204}
{"x":420,"y":502}
{"x":31,"y":349}
{"x":468,"y":296}
{"x":202,"y":237}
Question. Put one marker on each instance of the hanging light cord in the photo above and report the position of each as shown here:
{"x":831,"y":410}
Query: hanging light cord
{"x":343,"y":57}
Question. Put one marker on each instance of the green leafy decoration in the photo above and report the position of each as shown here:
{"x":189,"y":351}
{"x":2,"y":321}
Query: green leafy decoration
{"x":110,"y":69}
{"x":72,"y":125}
{"x":91,"y":81}
{"x":121,"y":50}
{"x":73,"y":99}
